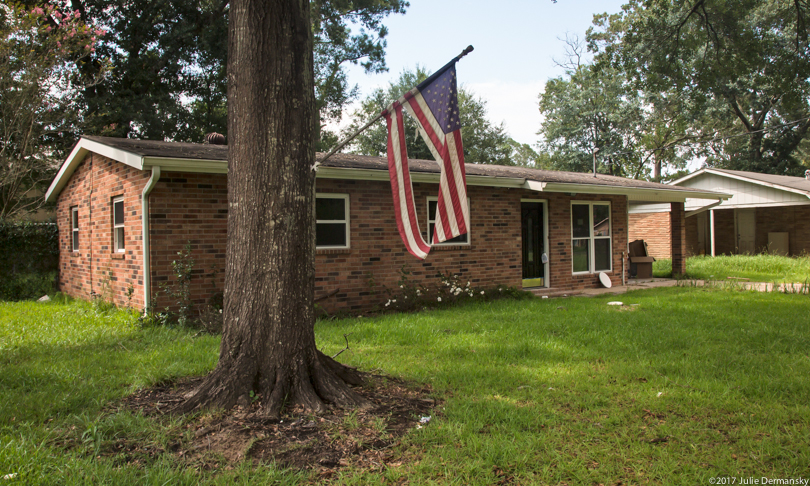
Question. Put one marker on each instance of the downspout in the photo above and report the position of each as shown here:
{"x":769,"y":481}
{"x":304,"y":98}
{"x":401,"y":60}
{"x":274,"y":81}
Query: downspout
{"x":147,"y":272}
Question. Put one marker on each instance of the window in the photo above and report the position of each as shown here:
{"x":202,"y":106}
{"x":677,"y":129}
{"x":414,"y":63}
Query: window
{"x":332,"y":221}
{"x":118,"y":225}
{"x":74,"y":228}
{"x":464,"y":239}
{"x":591,"y":237}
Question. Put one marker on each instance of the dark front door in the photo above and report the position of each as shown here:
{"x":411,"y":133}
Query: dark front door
{"x":533,"y":239}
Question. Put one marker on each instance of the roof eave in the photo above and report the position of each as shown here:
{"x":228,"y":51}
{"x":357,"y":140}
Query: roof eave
{"x":77,"y":155}
{"x":169,"y":164}
{"x":738,"y":177}
{"x":428,"y":177}
{"x":635,"y":193}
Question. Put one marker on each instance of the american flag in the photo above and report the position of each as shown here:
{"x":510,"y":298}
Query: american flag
{"x":434,"y":106}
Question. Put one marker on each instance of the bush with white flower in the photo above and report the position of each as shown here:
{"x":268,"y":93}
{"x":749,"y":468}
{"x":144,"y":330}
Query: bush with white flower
{"x":449,"y":290}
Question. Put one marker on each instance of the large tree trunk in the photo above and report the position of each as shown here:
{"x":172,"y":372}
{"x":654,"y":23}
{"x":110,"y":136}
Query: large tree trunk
{"x":268,"y":344}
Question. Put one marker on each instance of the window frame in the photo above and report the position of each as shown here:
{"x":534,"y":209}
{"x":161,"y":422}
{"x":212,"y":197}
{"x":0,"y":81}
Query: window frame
{"x":435,"y":199}
{"x":591,"y":238}
{"x":119,"y":244}
{"x":74,"y":229}
{"x":347,"y":221}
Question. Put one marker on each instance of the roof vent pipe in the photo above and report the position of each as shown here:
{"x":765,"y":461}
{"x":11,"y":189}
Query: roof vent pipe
{"x":807,"y":174}
{"x":215,"y":138}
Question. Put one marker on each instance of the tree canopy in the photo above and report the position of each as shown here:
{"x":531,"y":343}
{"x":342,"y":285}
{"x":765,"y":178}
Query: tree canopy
{"x":724,"y":80}
{"x":169,"y":62}
{"x":484,"y":142}
{"x":39,"y":85}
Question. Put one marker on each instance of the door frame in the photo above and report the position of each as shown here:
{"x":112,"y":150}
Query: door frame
{"x":544,"y":203}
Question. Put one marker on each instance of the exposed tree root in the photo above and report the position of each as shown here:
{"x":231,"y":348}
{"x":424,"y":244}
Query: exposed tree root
{"x":313,"y":384}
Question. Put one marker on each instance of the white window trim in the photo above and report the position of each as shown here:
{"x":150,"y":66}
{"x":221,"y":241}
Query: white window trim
{"x":116,"y":245}
{"x":346,"y":205}
{"x":591,"y":238}
{"x":74,"y":228}
{"x":429,"y":221}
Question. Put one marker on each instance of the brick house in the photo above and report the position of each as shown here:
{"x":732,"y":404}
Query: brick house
{"x":762,"y":213}
{"x":125,"y":208}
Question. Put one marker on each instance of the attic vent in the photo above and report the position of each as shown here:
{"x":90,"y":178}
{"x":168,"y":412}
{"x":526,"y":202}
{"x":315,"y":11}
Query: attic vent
{"x":215,"y":138}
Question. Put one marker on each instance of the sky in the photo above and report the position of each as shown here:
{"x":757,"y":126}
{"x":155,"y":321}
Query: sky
{"x":515,"y":41}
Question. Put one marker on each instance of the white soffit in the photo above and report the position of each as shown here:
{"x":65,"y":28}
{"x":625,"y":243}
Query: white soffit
{"x":187,"y":165}
{"x":82,"y":148}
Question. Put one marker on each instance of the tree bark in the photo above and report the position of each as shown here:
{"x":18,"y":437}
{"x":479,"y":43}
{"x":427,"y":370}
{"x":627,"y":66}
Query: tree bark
{"x":268,"y":343}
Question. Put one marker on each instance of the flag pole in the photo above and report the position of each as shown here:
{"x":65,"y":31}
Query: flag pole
{"x":351,"y":137}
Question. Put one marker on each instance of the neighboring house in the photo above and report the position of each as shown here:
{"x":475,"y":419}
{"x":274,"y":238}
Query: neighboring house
{"x":765,"y":213}
{"x":125,"y":208}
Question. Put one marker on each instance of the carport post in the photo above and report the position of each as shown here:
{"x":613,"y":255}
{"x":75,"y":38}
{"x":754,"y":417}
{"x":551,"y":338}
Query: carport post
{"x":678,"y":229}
{"x":711,"y":228}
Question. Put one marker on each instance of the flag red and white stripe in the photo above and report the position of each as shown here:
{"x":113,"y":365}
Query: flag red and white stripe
{"x":452,"y":212}
{"x":401,"y":187}
{"x":434,"y":106}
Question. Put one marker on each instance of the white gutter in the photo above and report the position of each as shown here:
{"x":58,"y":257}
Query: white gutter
{"x":701,"y":209}
{"x":147,"y":271}
{"x":187,"y":165}
{"x":635,"y":193}
{"x":428,"y":177}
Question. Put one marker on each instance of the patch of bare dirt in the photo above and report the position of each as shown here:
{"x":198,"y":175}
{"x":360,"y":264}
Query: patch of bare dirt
{"x":326,"y":442}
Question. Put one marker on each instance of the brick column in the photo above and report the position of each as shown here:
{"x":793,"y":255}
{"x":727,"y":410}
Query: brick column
{"x":677,"y":220}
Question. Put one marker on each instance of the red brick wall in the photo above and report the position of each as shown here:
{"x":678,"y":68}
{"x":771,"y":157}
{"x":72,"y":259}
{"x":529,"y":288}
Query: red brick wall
{"x":188,"y":209}
{"x":95,"y":268}
{"x":493,"y":257}
{"x":794,"y":220}
{"x":192,"y":208}
{"x":560,"y":257}
{"x":377,"y":254}
{"x":654,"y":229}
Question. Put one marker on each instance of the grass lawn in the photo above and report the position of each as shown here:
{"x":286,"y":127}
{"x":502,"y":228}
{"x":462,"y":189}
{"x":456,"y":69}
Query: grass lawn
{"x":688,"y":385}
{"x":757,"y":268}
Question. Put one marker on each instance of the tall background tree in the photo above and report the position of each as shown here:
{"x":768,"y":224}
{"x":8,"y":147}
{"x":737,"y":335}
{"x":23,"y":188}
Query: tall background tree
{"x":39,"y":85}
{"x":484,"y":142}
{"x":168,"y":61}
{"x":268,"y":344}
{"x":721,"y":80}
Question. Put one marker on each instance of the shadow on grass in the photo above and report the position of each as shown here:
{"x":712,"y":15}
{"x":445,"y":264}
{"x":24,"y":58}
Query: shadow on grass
{"x":45,"y":381}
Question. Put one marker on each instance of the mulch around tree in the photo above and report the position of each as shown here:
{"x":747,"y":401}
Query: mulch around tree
{"x":367,"y":439}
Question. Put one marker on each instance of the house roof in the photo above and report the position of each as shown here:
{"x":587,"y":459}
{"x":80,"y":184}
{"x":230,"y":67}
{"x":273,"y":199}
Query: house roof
{"x":788,"y":183}
{"x":192,"y":157}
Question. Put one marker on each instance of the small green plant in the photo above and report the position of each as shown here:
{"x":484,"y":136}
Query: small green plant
{"x":103,"y":299}
{"x":351,"y":421}
{"x":179,"y":291}
{"x":130,"y":293}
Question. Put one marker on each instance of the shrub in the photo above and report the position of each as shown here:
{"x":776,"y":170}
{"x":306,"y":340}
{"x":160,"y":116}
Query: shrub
{"x":449,"y":290}
{"x":29,"y":259}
